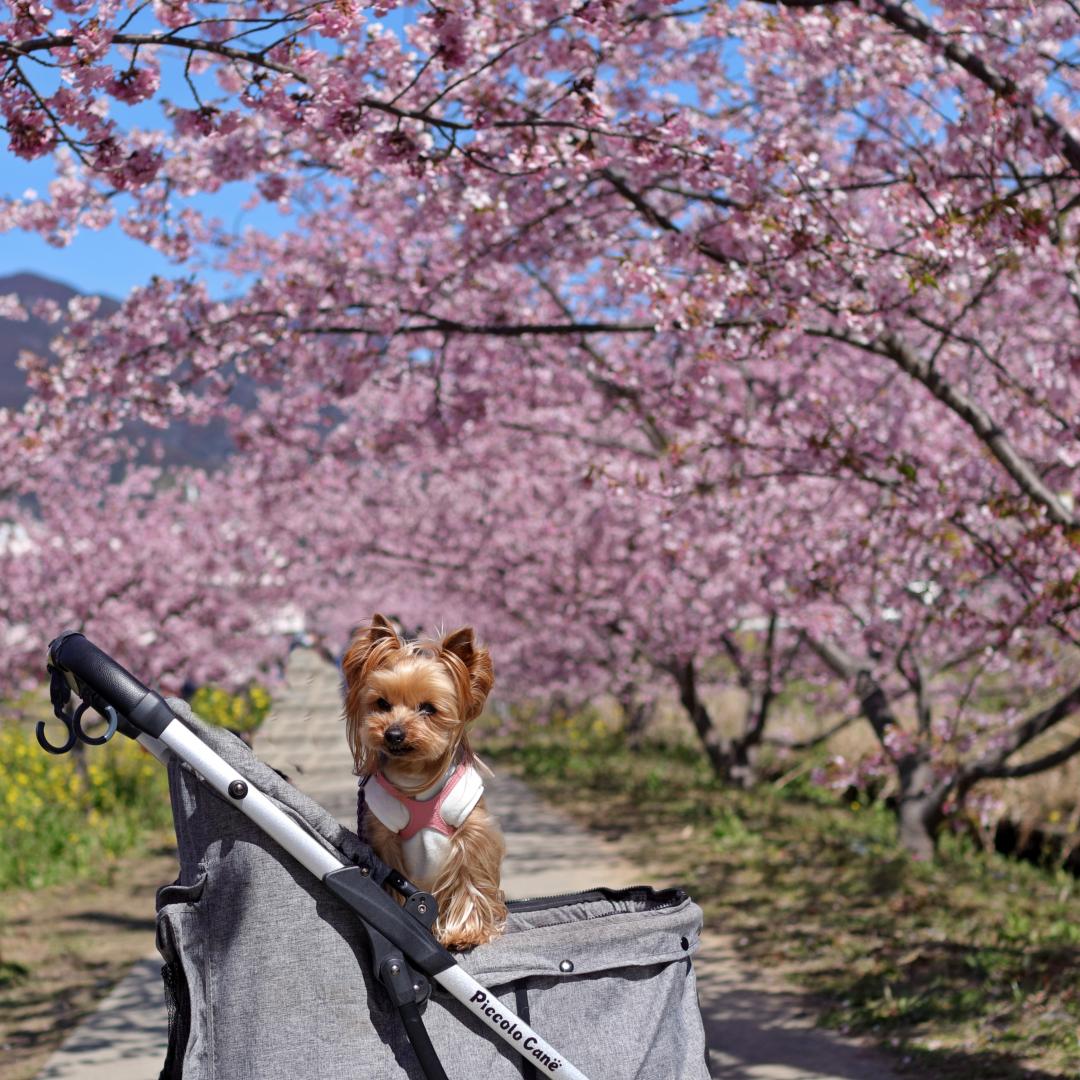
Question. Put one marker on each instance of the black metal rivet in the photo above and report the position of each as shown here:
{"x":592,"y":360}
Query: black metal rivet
{"x":685,"y":943}
{"x":566,"y":966}
{"x":238,"y":789}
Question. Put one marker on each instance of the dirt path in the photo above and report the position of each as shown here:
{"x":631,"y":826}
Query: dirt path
{"x":64,"y":945}
{"x":757,"y":1028}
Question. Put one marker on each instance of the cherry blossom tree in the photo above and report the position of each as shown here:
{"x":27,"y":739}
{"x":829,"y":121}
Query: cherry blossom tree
{"x":626,"y":327}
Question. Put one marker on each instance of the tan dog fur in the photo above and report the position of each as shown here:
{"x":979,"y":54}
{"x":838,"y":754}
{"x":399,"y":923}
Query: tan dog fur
{"x":431,"y":690}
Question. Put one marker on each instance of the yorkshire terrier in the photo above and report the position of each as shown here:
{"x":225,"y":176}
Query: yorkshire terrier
{"x":408,"y":707}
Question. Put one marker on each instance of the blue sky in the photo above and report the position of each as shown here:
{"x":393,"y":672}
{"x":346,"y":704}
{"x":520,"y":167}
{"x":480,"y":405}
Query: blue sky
{"x":110,"y":262}
{"x":107,"y":261}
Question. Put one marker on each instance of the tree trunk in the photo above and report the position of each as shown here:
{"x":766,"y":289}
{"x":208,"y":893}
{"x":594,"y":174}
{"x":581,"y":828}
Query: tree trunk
{"x":744,"y":750}
{"x":636,"y":717}
{"x":719,"y":754}
{"x":78,"y":756}
{"x":919,"y":807}
{"x":919,"y":810}
{"x":921,"y":797}
{"x":743,"y":763}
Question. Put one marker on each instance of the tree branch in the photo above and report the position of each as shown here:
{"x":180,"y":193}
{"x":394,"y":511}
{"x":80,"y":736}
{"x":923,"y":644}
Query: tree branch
{"x":1038,"y":765}
{"x":873,"y":703}
{"x":655,"y":217}
{"x":686,"y":679}
{"x":904,"y":19}
{"x":898,"y":350}
{"x":574,"y":436}
{"x":993,"y":765}
{"x":814,"y":740}
{"x":768,"y":693}
{"x":439,"y":324}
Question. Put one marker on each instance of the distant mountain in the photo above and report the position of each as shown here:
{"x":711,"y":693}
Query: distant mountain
{"x":183,"y":444}
{"x":35,"y":334}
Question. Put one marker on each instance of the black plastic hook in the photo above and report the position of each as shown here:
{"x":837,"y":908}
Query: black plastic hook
{"x":44,"y":743}
{"x":95,"y":740}
{"x":60,"y":695}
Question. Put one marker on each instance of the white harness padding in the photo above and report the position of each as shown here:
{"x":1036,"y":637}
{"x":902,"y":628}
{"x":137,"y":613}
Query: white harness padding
{"x":426,"y":849}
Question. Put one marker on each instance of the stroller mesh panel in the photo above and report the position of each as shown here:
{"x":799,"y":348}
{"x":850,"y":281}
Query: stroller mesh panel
{"x":178,"y":1006}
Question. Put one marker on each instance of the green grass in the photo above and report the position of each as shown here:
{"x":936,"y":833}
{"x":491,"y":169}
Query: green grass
{"x":72,"y":815}
{"x":11,"y":973}
{"x":965,"y":968}
{"x":63,"y":817}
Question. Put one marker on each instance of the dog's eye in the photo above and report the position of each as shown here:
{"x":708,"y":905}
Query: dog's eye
{"x":426,"y":708}
{"x":382,"y":704}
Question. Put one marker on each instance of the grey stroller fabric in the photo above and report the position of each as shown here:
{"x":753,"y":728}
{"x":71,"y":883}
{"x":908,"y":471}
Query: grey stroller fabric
{"x":268,"y":975}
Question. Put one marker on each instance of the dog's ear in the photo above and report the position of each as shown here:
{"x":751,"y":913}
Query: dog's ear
{"x":368,"y":648}
{"x":478,"y":670}
{"x":380,"y":628}
{"x":460,"y":643}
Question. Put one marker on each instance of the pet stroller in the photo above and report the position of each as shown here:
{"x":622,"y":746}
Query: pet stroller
{"x":286,"y":957}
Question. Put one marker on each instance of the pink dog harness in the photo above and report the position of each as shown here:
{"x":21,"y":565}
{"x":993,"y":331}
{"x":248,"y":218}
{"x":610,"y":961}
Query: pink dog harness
{"x":425,"y":813}
{"x":425,"y":823}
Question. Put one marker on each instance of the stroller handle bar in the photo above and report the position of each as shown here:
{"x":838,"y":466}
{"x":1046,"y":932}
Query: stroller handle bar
{"x":97,"y":678}
{"x":145,"y":716}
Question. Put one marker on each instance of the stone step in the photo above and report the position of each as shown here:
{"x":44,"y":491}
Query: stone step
{"x":284,"y":722}
{"x":333,"y":753}
{"x":313,"y":699}
{"x":326,"y":747}
{"x":286,"y":714}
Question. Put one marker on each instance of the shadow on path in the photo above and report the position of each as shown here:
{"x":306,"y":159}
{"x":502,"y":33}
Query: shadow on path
{"x":757,"y":1030}
{"x":124,"y":1039}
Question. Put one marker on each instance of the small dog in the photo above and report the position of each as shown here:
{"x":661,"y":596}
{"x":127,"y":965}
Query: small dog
{"x":408,"y":706}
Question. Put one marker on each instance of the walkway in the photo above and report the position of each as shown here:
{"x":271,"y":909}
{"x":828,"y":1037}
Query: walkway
{"x":757,"y":1028}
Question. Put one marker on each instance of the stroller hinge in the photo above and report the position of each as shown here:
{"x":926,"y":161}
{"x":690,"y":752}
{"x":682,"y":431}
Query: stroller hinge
{"x":404,"y":985}
{"x":408,"y":990}
{"x":422,"y":907}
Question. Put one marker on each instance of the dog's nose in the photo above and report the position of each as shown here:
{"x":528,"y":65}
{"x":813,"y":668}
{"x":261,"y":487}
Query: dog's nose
{"x":394,"y":736}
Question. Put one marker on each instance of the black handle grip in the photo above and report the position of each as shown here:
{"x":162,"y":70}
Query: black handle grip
{"x":98,"y":673}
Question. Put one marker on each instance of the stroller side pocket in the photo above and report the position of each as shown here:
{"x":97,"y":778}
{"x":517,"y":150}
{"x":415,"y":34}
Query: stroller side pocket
{"x":179,"y":941}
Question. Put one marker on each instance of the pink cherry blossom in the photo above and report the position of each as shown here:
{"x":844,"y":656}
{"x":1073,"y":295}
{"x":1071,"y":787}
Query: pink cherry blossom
{"x":673,"y":348}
